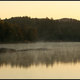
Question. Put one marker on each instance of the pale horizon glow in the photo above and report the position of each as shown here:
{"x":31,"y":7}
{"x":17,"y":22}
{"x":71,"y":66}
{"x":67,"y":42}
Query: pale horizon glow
{"x":40,"y":9}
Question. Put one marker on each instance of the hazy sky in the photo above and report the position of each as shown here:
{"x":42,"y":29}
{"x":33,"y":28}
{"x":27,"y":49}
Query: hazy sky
{"x":40,"y":9}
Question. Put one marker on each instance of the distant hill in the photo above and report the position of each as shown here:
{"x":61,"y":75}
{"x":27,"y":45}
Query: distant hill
{"x":67,"y":19}
{"x":27,"y":29}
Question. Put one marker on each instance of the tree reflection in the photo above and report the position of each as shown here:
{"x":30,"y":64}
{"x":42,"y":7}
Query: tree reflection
{"x":44,"y":57}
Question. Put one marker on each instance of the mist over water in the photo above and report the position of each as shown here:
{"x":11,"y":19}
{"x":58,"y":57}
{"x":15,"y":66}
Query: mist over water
{"x":40,"y":54}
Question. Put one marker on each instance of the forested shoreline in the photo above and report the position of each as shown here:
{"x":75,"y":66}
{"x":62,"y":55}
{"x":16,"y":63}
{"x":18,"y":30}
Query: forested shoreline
{"x":27,"y":29}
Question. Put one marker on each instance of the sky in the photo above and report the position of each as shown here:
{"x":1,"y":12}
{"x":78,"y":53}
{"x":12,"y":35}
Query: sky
{"x":40,"y":9}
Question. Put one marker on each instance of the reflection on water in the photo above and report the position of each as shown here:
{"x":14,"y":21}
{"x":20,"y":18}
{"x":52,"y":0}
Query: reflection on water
{"x":55,"y":53}
{"x":46,"y":57}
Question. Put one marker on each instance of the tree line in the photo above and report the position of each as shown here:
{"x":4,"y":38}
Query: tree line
{"x":27,"y":29}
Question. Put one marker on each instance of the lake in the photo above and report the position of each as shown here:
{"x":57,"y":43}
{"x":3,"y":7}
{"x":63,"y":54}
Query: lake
{"x":41,"y":60}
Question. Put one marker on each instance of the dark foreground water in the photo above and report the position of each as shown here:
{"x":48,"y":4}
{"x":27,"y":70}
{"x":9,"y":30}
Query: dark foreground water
{"x":50,"y":60}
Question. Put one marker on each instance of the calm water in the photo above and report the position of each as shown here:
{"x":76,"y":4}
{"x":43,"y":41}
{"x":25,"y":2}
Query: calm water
{"x":59,"y":60}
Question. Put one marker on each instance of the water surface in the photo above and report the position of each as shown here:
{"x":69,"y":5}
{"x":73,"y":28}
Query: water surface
{"x":49,"y":60}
